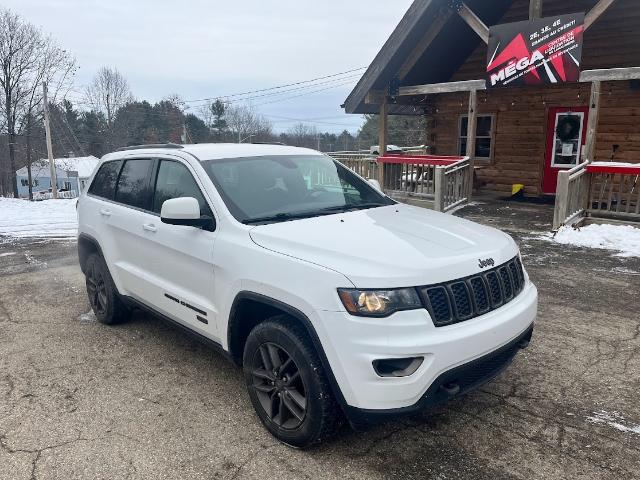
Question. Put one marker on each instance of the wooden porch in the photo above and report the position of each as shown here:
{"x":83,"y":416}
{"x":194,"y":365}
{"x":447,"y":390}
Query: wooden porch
{"x":598,"y":191}
{"x":441,"y":183}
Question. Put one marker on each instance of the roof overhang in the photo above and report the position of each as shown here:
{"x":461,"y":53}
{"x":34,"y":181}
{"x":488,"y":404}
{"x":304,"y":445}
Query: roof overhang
{"x":429,"y":44}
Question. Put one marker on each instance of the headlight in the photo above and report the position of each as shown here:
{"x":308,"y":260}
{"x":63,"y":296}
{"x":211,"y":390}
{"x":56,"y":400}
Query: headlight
{"x":379,"y":303}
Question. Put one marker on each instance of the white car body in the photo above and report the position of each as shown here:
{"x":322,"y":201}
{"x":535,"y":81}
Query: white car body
{"x":301,"y":264}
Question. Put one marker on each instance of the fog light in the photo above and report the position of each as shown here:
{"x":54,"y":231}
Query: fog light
{"x":397,"y":367}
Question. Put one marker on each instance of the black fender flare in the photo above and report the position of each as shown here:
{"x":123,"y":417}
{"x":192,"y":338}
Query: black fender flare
{"x":82,"y":239}
{"x":306,"y":323}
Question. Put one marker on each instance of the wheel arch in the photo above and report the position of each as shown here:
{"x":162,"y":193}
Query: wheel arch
{"x":247,"y":303}
{"x":87,"y":245}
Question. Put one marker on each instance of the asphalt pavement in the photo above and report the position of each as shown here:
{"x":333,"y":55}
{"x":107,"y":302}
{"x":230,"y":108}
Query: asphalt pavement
{"x":142,"y":400}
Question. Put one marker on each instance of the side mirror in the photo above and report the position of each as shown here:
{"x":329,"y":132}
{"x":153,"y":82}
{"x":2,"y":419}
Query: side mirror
{"x":185,"y":211}
{"x":375,"y":184}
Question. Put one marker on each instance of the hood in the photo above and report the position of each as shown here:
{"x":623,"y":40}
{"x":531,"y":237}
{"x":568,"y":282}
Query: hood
{"x":393,"y":246}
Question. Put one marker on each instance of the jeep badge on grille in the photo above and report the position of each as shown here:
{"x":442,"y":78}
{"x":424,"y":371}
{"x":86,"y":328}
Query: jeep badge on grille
{"x":488,"y":262}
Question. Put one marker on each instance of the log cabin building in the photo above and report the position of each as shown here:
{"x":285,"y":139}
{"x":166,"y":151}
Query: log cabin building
{"x":435,"y":64}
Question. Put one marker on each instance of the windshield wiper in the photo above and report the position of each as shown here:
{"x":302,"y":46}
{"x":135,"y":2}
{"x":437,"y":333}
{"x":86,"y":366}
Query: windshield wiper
{"x":279,"y":217}
{"x":283,"y":217}
{"x":347,"y":208}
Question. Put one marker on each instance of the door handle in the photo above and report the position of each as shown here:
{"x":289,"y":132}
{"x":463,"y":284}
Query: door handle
{"x":150,"y":227}
{"x":105,"y":213}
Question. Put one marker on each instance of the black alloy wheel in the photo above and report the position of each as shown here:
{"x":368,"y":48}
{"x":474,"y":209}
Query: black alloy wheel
{"x":106,"y":303}
{"x":279,"y":386}
{"x":287,"y":383}
{"x":96,"y":289}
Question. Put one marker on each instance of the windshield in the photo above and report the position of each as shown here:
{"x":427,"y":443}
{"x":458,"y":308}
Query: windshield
{"x":271,"y":189}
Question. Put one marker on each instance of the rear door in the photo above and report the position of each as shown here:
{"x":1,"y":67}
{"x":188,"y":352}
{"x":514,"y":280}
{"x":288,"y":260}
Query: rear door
{"x":178,"y":260}
{"x":125,"y":217}
{"x":95,"y":214}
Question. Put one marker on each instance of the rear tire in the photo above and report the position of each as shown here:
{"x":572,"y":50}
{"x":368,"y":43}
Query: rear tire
{"x":287,"y":384}
{"x":104,"y":299}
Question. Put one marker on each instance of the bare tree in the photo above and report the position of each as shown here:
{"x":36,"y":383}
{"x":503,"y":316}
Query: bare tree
{"x":108,"y":92}
{"x":246,"y":125}
{"x":28,"y":57}
{"x":303,"y":135}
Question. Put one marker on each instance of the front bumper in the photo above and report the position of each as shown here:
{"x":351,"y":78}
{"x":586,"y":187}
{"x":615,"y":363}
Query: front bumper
{"x":351,"y":344}
{"x":451,"y":383}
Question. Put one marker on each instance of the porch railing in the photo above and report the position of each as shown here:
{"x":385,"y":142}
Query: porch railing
{"x":455,"y":187}
{"x":443,"y":182}
{"x":600,"y":190}
{"x":572,"y":195}
{"x":363,"y":163}
{"x":439,"y":182}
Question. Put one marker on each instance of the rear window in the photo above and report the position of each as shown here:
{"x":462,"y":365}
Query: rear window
{"x":104,"y":183}
{"x":133,"y":184}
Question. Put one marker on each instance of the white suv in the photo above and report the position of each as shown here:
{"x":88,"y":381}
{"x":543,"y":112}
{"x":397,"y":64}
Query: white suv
{"x":337,"y":301}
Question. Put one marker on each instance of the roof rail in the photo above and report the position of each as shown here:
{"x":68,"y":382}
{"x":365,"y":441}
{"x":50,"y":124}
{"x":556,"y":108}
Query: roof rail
{"x":268,"y":143}
{"x":150,"y":145}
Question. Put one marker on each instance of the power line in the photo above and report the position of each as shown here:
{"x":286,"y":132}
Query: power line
{"x":55,"y":124}
{"x":277,"y":87}
{"x":64,"y":120}
{"x":281,"y":92}
{"x":141,"y":110}
{"x":303,"y":94}
{"x":308,"y":120}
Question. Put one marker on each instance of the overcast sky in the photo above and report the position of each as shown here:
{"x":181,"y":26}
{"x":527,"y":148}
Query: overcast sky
{"x":208,"y":48}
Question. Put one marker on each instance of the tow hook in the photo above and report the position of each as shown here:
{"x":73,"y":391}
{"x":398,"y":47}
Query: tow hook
{"x":451,"y":388}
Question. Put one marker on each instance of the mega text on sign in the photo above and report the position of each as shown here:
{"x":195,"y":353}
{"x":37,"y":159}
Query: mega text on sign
{"x":542,"y":51}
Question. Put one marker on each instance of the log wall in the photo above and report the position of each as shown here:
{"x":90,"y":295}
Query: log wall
{"x":520,"y":125}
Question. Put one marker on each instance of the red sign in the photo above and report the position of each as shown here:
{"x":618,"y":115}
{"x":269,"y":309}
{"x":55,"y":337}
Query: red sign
{"x":538,"y":52}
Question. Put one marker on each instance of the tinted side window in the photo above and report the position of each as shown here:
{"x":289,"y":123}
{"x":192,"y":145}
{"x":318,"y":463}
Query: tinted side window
{"x":174,"y":181}
{"x":104,"y":183}
{"x":133,"y":184}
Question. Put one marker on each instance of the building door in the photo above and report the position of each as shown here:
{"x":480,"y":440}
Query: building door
{"x":566,"y":137}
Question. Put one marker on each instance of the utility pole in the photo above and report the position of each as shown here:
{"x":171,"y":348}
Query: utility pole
{"x":184,"y":133}
{"x":47,"y":129}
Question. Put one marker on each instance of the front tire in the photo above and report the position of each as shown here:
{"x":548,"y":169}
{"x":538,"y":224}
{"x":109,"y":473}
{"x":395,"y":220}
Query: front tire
{"x":105,"y":302}
{"x":287,"y":384}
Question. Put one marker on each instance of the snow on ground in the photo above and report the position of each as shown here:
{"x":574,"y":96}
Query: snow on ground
{"x":45,"y":219}
{"x":615,"y":420}
{"x":624,"y":239}
{"x":460,"y":207}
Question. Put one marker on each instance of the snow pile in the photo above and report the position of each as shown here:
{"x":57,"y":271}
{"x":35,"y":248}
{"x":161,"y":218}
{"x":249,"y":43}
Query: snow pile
{"x":622,"y":238}
{"x":46,"y":219}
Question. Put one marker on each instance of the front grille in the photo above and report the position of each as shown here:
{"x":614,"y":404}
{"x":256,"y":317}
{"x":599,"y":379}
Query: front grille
{"x":469,"y":297}
{"x":439,"y":302}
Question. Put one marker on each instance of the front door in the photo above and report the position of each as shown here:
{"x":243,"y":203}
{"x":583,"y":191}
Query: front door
{"x":566,"y":136}
{"x":178,"y":260}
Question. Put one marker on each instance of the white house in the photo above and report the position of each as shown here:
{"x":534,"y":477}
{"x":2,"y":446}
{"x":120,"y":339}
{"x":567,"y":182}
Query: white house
{"x":72,"y":175}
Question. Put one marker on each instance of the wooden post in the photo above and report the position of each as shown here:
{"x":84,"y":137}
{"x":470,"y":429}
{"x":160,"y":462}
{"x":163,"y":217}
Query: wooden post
{"x":592,"y":122}
{"x":438,"y":194}
{"x":473,"y":21}
{"x":472,"y":120}
{"x":47,"y":130}
{"x":382,"y":137}
{"x":535,"y":9}
{"x":562,"y":199}
{"x":595,"y":12}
